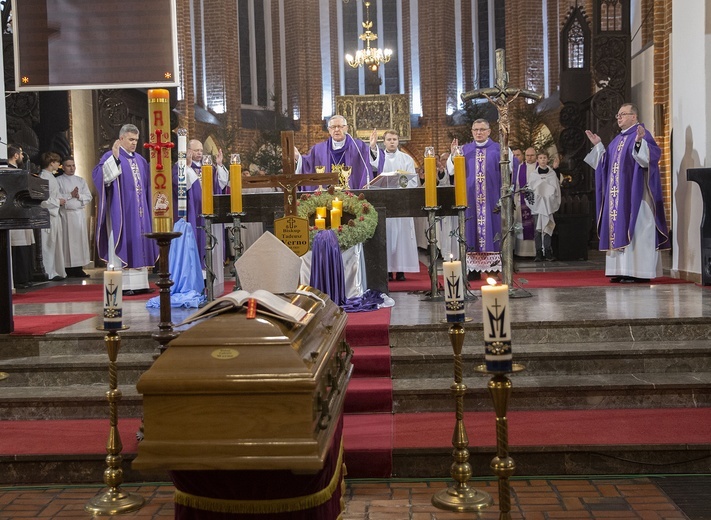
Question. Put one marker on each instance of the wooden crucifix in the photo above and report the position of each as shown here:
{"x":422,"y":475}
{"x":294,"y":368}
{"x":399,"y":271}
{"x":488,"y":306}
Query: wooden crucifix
{"x":289,"y":181}
{"x":501,"y":95}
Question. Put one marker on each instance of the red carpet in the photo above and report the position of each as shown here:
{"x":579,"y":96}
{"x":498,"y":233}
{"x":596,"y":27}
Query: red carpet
{"x":39,"y":325}
{"x":72,"y":293}
{"x":561,"y":427}
{"x":368,"y":328}
{"x":535,"y":280}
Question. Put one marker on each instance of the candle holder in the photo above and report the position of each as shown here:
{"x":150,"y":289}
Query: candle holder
{"x":237,"y":244}
{"x":502,"y":465}
{"x":114,"y":501}
{"x":165,"y":332}
{"x":462,"y":242}
{"x":460,"y":497}
{"x":434,"y":295}
{"x":210,"y":241}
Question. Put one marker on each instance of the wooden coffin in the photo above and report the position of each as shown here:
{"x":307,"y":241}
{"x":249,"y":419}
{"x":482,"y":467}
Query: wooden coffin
{"x":233,"y":393}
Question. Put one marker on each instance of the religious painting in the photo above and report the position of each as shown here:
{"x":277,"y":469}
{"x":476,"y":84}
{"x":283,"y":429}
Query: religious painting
{"x":73,"y":44}
{"x":384,"y":112}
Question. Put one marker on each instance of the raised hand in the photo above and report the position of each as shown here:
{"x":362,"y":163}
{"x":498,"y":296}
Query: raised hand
{"x":374,"y":139}
{"x":640,"y":133}
{"x":594,"y":138}
{"x":115,"y":148}
{"x":455,"y":143}
{"x":219,"y":157}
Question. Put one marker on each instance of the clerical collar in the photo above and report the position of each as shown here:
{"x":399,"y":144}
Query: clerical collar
{"x":337,"y":145}
{"x":633,"y":127}
{"x":482,"y":144}
{"x":130,"y":154}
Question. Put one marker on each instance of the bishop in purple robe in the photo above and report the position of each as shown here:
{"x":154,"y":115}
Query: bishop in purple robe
{"x":631,"y":222}
{"x":340,"y":149}
{"x":122,"y":179}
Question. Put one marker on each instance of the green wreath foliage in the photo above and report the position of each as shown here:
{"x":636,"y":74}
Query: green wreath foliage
{"x":362,"y":219}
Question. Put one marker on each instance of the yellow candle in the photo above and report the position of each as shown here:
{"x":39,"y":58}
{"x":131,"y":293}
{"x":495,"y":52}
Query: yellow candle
{"x":207,"y":200}
{"x":496,"y":318}
{"x":236,"y":188}
{"x":460,"y":181}
{"x":321,"y":212}
{"x":453,"y":290}
{"x":430,"y":182}
{"x":338,"y":204}
{"x":335,"y":218}
{"x":113,"y":298}
{"x":320,"y":223}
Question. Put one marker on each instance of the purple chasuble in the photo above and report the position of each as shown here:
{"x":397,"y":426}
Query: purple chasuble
{"x":483,"y":193}
{"x":620,"y":184}
{"x":355,"y":153}
{"x":127,"y":199}
{"x":529,"y":228}
{"x":194,"y":210}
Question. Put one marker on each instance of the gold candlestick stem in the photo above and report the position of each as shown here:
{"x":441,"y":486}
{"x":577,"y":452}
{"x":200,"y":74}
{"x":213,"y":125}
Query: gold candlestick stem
{"x":460,"y":497}
{"x":114,"y":501}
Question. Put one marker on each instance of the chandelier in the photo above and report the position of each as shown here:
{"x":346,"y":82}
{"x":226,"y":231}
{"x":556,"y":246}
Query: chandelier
{"x":370,"y":57}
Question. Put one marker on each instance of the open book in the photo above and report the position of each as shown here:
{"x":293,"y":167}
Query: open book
{"x":396,"y":179}
{"x":267,"y":303}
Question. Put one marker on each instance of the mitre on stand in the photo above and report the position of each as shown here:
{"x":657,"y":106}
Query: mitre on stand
{"x":268,"y":265}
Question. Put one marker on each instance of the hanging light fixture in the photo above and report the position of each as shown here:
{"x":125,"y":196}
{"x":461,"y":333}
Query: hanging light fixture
{"x":370,"y":57}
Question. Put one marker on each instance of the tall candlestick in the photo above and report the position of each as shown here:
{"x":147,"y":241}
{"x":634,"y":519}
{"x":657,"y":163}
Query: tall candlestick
{"x":235,"y":183}
{"x":160,"y":145}
{"x":453,"y":290}
{"x":113,"y":298}
{"x":430,"y":178}
{"x":460,"y":180}
{"x":207,"y":200}
{"x":497,"y":326}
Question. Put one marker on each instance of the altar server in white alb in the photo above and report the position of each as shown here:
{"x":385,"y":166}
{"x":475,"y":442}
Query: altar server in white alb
{"x":76,"y":192}
{"x":545,"y":185}
{"x":400,"y":232}
{"x":52,"y":241}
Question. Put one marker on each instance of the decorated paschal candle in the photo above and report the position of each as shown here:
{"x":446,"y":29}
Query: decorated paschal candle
{"x":496,"y":317}
{"x":113,"y":298}
{"x":453,"y":290}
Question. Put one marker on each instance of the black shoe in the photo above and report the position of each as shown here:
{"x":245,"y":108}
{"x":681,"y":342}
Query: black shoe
{"x":390,"y":277}
{"x":57,"y":278}
{"x":400,"y":277}
{"x":550,"y":258}
{"x":538,"y":258}
{"x":616,"y":279}
{"x":632,"y":279}
{"x":473,"y":275}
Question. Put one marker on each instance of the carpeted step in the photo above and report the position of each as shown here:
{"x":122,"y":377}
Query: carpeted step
{"x":371,"y":361}
{"x":369,"y":395}
{"x":367,"y":440}
{"x":368,"y":328}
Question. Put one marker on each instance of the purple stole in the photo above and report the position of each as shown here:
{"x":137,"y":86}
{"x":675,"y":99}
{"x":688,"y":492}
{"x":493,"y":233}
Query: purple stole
{"x":529,"y":228}
{"x":483,"y":226}
{"x":127,"y":199}
{"x":620,"y":186}
{"x":194,"y":210}
{"x":355,"y":153}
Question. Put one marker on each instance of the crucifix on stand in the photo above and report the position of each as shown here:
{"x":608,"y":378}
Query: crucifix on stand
{"x":501,"y":95}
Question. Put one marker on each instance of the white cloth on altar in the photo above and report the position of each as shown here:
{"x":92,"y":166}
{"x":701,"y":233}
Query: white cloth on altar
{"x":73,"y":215}
{"x":353,"y":270}
{"x":52,"y":241}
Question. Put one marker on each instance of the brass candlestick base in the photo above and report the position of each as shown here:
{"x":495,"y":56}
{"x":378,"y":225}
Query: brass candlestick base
{"x":502,"y":465}
{"x":434,"y":295}
{"x":114,"y":501}
{"x":460,"y":497}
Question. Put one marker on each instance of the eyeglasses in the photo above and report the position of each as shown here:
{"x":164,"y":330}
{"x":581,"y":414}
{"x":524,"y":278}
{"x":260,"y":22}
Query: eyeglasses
{"x":623,"y":114}
{"x":338,"y":127}
{"x":480,"y":129}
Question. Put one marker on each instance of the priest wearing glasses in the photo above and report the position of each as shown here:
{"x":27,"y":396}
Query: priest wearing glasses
{"x":340,"y":149}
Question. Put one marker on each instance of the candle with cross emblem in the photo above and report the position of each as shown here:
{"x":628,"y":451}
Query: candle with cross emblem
{"x":430,"y":178}
{"x":206,"y":175}
{"x":496,"y":317}
{"x":453,"y":290}
{"x":113,"y":298}
{"x":160,"y":145}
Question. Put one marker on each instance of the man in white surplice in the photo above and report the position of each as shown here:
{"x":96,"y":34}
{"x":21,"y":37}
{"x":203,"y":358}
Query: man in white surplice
{"x":400,"y":232}
{"x":76,"y":192}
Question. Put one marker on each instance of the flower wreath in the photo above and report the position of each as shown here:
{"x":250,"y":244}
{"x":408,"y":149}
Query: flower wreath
{"x":359,"y":216}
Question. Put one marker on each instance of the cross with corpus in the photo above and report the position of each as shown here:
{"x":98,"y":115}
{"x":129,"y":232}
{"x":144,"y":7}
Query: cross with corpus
{"x":501,"y":95}
{"x":289,"y":181}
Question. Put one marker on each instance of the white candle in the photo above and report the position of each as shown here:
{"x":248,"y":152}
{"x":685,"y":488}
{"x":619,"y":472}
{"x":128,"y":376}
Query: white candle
{"x":496,"y":317}
{"x":453,"y":290}
{"x":113,"y":298}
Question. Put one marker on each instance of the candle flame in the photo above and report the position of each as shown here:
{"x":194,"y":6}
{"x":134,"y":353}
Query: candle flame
{"x":110,"y":267}
{"x":451,"y":257}
{"x":491,"y":281}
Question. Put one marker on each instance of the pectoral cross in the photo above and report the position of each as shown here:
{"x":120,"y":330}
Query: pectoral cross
{"x":289,"y":181}
{"x":501,"y":95}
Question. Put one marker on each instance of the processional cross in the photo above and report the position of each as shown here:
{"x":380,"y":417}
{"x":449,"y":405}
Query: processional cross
{"x":501,"y":95}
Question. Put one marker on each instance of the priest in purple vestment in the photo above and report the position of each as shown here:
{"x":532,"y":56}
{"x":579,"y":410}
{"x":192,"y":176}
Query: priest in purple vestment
{"x":483,"y":214}
{"x":122,"y":179}
{"x":631,"y":222}
{"x":340,"y":149}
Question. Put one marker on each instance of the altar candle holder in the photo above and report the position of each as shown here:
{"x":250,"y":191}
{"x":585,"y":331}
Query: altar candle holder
{"x":460,"y":497}
{"x":434,"y":295}
{"x":114,"y":501}
{"x":502,"y":464}
{"x":237,"y":243}
{"x":210,"y":241}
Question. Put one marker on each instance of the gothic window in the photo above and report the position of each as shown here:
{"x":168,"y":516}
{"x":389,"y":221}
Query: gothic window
{"x":576,"y":46}
{"x":610,"y":15}
{"x":254,"y":63}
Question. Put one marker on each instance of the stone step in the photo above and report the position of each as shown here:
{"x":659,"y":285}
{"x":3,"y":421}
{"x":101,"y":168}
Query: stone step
{"x":556,"y":359}
{"x":561,"y":332}
{"x":12,"y":347}
{"x":557,"y":392}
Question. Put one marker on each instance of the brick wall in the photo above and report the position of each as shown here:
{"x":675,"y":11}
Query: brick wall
{"x":662,"y":95}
